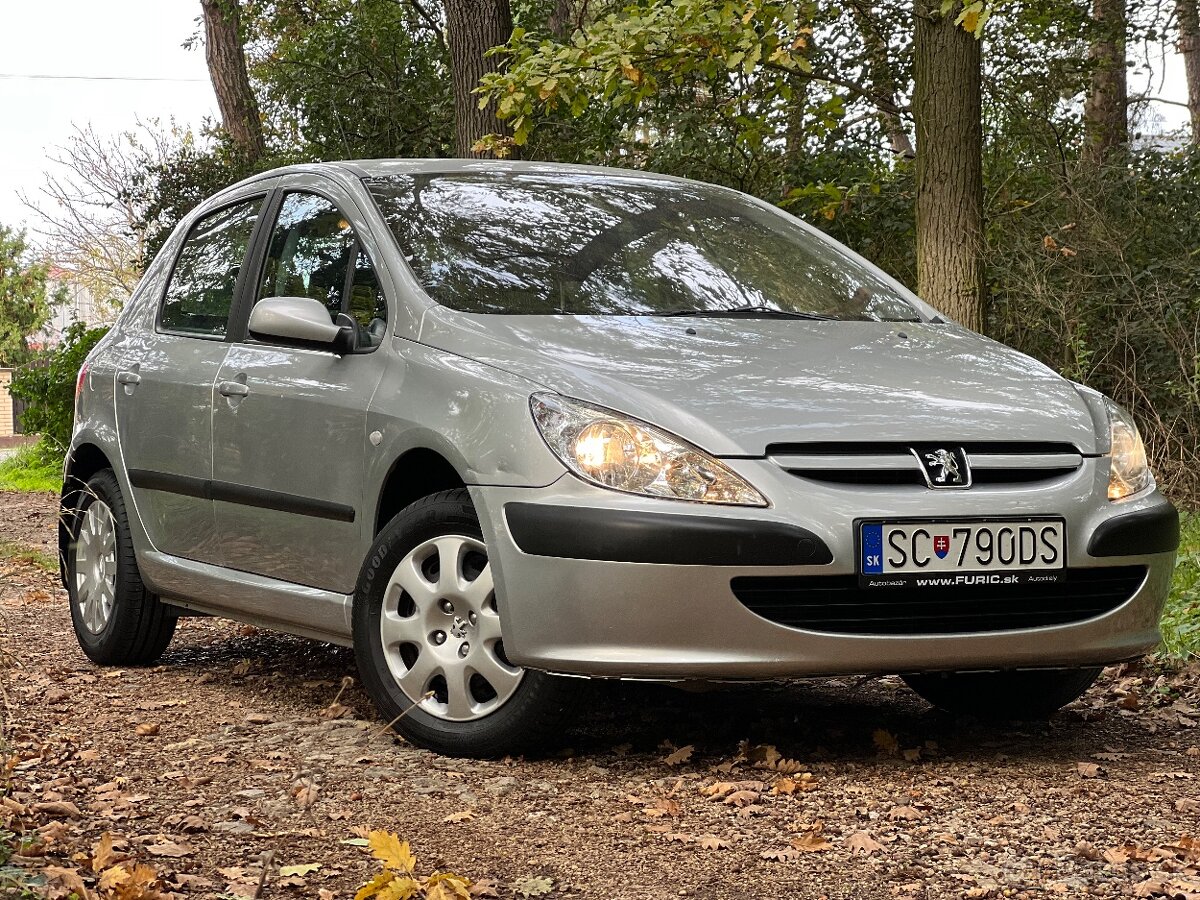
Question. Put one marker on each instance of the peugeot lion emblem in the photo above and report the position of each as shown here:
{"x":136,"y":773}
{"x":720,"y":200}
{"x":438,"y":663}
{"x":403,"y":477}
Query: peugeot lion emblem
{"x":944,"y":467}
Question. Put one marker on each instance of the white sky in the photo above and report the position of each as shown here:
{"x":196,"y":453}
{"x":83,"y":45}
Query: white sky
{"x":139,"y":38}
{"x":142,"y":39}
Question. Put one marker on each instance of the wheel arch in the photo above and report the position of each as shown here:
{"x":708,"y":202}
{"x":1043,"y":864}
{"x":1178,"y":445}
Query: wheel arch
{"x":416,"y":473}
{"x":83,"y":461}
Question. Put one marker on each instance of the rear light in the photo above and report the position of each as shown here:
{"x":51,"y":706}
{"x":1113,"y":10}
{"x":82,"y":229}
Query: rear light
{"x":83,"y":372}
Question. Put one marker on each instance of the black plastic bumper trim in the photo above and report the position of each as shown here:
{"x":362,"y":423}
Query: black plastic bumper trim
{"x":1153,"y":530}
{"x":621,"y":535}
{"x":208,"y":489}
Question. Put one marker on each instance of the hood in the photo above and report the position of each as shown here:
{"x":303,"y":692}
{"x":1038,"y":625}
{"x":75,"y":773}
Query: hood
{"x":736,"y":386}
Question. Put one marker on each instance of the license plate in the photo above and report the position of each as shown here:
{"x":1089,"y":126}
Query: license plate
{"x":962,"y":553}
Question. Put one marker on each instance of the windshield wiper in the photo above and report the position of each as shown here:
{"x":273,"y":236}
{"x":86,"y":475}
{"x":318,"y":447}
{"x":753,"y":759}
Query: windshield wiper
{"x":743,"y":312}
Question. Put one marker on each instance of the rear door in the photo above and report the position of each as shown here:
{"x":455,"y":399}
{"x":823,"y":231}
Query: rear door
{"x":165,"y":381}
{"x":289,"y":422}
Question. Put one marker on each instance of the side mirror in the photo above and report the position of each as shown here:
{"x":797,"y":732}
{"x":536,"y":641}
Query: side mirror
{"x":300,"y":319}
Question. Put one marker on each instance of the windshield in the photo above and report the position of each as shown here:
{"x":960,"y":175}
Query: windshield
{"x":582,"y":244}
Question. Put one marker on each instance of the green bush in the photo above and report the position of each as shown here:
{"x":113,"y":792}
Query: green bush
{"x":1181,"y":619}
{"x":32,"y":468}
{"x":49,"y":389}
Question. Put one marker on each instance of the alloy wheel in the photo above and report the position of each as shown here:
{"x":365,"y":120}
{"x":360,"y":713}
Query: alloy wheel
{"x":96,"y":566}
{"x":440,"y":631}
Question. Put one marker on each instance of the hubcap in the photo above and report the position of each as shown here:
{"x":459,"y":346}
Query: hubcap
{"x":441,"y":631}
{"x":96,"y":566}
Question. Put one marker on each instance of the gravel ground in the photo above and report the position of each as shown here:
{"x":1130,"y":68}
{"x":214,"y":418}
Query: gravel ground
{"x":245,"y":746}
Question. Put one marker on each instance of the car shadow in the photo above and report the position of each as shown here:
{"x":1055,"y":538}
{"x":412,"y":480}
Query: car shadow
{"x":813,"y":721}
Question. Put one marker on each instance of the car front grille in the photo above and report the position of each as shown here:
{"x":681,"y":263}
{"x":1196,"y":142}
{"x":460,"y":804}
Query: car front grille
{"x":836,"y":604}
{"x":893,"y":463}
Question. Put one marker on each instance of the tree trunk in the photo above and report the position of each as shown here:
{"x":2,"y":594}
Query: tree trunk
{"x":561,"y":23}
{"x":1189,"y":49}
{"x":473,"y":27}
{"x":227,"y":69}
{"x":1105,"y":113}
{"x":947,"y":107}
{"x":884,"y":85}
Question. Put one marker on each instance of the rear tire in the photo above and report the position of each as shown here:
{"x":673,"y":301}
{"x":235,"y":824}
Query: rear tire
{"x":425,"y":621}
{"x":1032,"y":694}
{"x":117,"y":620}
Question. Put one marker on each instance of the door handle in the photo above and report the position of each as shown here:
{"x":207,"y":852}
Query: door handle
{"x":232,"y":389}
{"x":130,"y":378}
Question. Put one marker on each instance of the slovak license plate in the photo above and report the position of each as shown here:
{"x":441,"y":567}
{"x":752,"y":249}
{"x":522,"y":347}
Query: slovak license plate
{"x":963,"y":553}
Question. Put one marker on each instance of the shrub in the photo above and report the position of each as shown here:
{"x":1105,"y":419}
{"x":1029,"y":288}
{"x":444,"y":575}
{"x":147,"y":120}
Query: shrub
{"x":48,"y":389}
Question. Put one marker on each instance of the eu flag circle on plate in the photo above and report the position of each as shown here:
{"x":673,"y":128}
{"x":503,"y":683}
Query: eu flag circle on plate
{"x":941,"y":545}
{"x":872,"y":549}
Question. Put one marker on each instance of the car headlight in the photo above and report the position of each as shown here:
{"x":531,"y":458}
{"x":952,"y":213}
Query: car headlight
{"x":615,"y":451}
{"x":1130,"y":473}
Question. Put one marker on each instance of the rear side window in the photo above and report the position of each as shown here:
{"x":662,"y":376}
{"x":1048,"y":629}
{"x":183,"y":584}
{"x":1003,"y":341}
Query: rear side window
{"x":314,"y":253}
{"x":200,"y":293}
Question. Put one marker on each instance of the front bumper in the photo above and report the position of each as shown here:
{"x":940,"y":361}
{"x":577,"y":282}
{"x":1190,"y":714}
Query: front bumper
{"x":647,"y":593}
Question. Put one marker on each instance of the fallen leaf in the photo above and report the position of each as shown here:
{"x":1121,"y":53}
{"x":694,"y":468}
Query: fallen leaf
{"x":782,"y":855}
{"x":305,"y":793}
{"x":905,"y":813}
{"x":103,"y":855}
{"x":860,"y":842}
{"x":885,"y":742}
{"x":58,"y":808}
{"x":171,"y":849}
{"x":741,"y":798}
{"x":532,"y":887}
{"x":464,"y":816}
{"x":147,"y":729}
{"x":712,"y":842}
{"x":485,"y":887}
{"x":664,"y":806}
{"x":680,"y":756}
{"x":391,"y":851}
{"x":812,"y":841}
{"x":1089,"y":770}
{"x":677,"y":837}
{"x":301,"y":869}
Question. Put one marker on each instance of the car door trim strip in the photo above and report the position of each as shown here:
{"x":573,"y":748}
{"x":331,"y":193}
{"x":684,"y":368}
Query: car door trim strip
{"x":208,"y":489}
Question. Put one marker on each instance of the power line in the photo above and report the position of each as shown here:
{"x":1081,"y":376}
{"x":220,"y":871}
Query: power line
{"x":34,"y":77}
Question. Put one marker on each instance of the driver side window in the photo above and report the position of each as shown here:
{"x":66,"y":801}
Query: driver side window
{"x":314,"y":253}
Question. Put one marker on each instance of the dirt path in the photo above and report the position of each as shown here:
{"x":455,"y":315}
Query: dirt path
{"x":231,"y":749}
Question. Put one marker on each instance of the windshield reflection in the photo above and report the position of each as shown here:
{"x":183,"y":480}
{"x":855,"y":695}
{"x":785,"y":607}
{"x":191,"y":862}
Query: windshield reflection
{"x":576,"y":244}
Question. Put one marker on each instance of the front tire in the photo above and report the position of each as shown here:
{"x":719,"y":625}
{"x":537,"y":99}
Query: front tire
{"x":428,"y":643}
{"x":117,"y":620}
{"x":1032,"y":694}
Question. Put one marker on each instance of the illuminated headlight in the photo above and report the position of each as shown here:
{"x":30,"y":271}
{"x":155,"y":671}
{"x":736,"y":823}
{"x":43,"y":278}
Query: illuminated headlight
{"x":617,"y":452}
{"x":1130,"y":473}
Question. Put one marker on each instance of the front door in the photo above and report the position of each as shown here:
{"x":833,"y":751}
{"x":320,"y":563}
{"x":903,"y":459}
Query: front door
{"x":165,"y":381}
{"x":289,"y":423}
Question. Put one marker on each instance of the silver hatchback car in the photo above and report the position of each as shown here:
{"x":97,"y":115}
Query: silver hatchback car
{"x":495,"y":423}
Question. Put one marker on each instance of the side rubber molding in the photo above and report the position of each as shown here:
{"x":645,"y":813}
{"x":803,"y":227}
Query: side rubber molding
{"x":1153,"y":530}
{"x":208,"y":489}
{"x":621,"y":535}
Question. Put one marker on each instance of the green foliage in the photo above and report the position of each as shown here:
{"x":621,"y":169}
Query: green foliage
{"x":1097,"y":273}
{"x":1181,"y":619}
{"x":350,"y":78}
{"x":24,"y":306}
{"x":36,"y":467}
{"x":627,"y":58}
{"x":49,"y":390}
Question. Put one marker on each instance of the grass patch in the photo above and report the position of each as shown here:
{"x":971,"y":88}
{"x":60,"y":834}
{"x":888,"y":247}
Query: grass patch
{"x":31,"y":469}
{"x":17,"y":553}
{"x":1181,"y":618}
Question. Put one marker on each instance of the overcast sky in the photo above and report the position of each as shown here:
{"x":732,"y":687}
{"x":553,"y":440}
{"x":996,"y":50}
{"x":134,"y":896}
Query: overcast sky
{"x":103,"y":41}
{"x":93,"y":39}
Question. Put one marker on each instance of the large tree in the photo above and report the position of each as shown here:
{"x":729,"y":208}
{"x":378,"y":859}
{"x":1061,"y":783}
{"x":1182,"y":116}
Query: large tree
{"x":226,"y":59}
{"x":24,"y":305}
{"x":947,"y":107}
{"x":1105,"y":111}
{"x":473,"y":27}
{"x":1189,"y":48}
